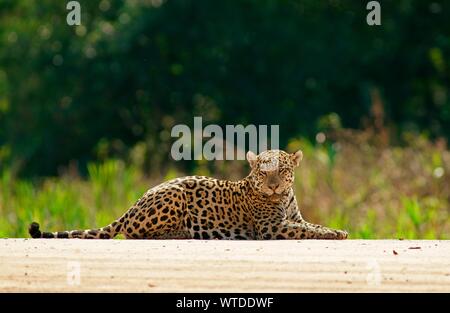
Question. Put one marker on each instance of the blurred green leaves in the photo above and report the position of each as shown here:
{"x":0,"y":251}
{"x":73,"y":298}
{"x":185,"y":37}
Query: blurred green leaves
{"x":134,"y":65}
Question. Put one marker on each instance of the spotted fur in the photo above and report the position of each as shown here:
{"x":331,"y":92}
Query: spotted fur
{"x":260,"y":206}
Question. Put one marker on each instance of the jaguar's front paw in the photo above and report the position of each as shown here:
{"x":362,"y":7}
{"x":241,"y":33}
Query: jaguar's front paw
{"x":341,"y":234}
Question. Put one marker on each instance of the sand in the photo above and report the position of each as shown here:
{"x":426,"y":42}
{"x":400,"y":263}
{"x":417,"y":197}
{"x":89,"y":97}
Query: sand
{"x":65,"y":265}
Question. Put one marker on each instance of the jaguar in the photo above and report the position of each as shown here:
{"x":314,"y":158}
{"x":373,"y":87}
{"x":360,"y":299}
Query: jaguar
{"x":261,"y":206}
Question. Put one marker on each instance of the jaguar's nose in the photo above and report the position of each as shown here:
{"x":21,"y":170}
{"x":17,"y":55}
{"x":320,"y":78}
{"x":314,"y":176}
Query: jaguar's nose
{"x":273,"y":186}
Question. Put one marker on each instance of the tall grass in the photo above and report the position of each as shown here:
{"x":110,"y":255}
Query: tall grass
{"x":69,"y":201}
{"x":375,"y":190}
{"x":370,"y":190}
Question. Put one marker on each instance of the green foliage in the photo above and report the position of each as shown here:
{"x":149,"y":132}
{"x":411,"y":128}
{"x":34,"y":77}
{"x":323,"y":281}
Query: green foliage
{"x":372,"y":192}
{"x":376,"y":191}
{"x":133,"y":69}
{"x":69,"y":201}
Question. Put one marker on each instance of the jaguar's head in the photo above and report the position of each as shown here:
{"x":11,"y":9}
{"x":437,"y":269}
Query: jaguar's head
{"x":272,"y":172}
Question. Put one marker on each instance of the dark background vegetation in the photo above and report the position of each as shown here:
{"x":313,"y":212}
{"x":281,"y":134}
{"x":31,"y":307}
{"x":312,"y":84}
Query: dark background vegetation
{"x":86,"y":111}
{"x":136,"y":68}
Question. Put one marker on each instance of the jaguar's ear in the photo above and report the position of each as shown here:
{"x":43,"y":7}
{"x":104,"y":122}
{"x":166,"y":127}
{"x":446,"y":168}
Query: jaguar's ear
{"x":251,"y":158}
{"x":297,"y":157}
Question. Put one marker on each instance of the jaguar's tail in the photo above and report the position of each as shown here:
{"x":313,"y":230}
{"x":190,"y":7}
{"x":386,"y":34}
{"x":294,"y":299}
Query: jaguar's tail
{"x":107,"y":232}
